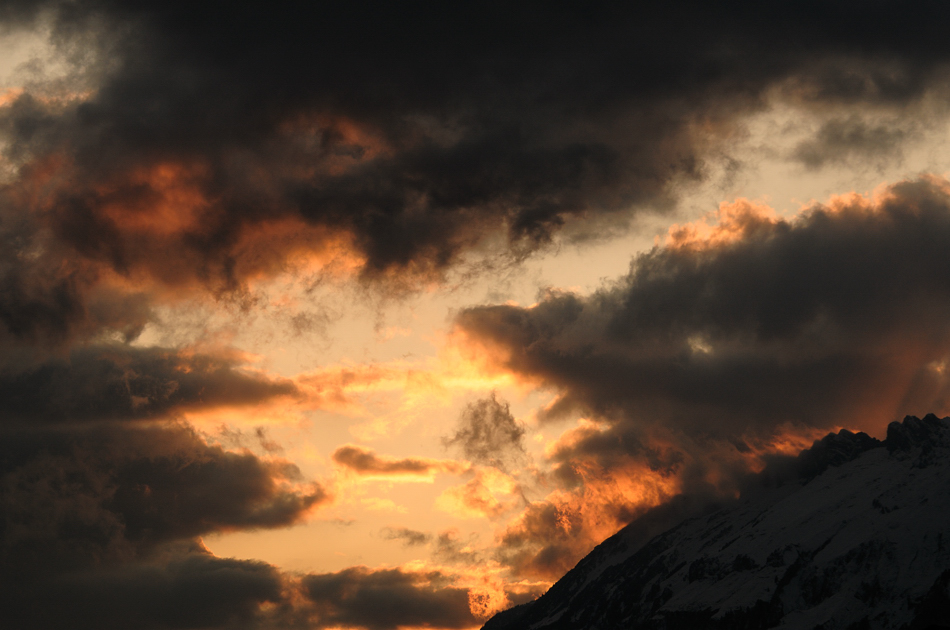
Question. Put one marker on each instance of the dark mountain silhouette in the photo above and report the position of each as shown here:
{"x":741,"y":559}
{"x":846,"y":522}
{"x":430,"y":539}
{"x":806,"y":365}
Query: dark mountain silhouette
{"x":853,"y":534}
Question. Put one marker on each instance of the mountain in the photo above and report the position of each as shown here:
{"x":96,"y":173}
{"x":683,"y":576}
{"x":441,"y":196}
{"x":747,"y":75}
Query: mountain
{"x":854,"y":534}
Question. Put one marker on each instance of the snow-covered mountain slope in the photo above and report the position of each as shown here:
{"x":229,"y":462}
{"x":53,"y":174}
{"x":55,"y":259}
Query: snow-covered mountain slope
{"x":853,"y":535}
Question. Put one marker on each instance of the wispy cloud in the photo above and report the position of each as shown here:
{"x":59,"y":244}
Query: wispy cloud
{"x":367,"y":464}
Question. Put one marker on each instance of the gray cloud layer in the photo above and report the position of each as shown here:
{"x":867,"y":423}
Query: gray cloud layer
{"x":820,"y":320}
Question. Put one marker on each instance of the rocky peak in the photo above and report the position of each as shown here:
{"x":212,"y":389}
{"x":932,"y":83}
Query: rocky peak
{"x":927,"y":433}
{"x":834,"y":449}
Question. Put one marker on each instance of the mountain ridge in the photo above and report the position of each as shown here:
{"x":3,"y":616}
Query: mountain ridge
{"x":848,"y":535}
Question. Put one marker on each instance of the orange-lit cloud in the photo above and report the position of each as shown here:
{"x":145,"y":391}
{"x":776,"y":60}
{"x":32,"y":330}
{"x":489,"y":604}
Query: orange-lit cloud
{"x":489,"y":494}
{"x":8,"y":95}
{"x":212,"y":385}
{"x":550,"y":535}
{"x":733,"y":222}
{"x":347,"y":143}
{"x":410,"y":387}
{"x":161,"y":223}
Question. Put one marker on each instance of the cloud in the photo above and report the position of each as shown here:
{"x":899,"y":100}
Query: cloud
{"x":852,"y":140}
{"x":836,"y":316}
{"x":490,"y":493}
{"x":386,"y":599}
{"x":94,"y":512}
{"x":176,"y":160}
{"x":606,"y":474}
{"x":594,"y":500}
{"x":409,"y":537}
{"x":447,"y":546}
{"x":365,"y":462}
{"x":140,"y":486}
{"x":49,"y":300}
{"x":452,"y":549}
{"x":193,"y":591}
{"x":119,"y":382}
{"x":489,"y":435}
{"x":546,"y":541}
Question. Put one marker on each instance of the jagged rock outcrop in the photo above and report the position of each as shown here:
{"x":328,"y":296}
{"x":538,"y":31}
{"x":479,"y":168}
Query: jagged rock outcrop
{"x":854,"y":534}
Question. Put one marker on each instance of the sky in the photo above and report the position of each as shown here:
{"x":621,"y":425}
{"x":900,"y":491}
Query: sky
{"x":333,"y":315}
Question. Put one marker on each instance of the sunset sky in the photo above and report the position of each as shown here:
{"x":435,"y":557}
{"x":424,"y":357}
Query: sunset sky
{"x":339,"y":316}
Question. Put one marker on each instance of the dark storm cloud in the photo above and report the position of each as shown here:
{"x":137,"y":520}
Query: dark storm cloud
{"x":118,"y":486}
{"x":97,"y":526}
{"x":48,"y":298}
{"x":837,"y":317}
{"x":118,"y":382}
{"x":387,"y":599}
{"x":414,"y":130}
{"x":193,"y":591}
{"x":489,"y":435}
